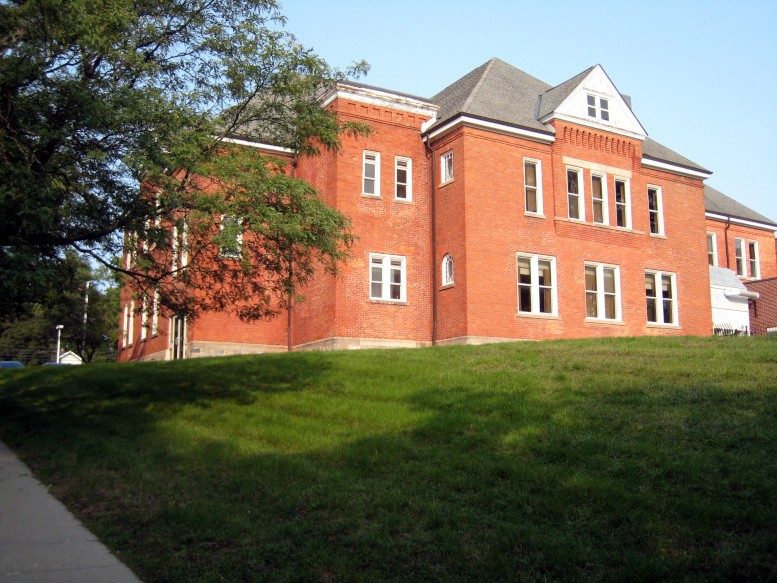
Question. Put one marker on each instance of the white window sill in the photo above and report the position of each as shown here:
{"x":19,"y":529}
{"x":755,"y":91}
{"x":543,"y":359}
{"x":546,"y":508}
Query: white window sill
{"x":658,"y":235}
{"x":403,"y":200}
{"x":389,"y":302}
{"x":447,"y":286}
{"x":535,"y":215}
{"x":537,"y":316}
{"x":663,"y":326}
{"x":447,"y":182}
{"x":604,"y":321}
{"x":366,"y":195}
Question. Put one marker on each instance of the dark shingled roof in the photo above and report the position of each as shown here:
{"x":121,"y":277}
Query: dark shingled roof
{"x":717,"y":202}
{"x":495,"y":91}
{"x":555,"y":96}
{"x":653,"y":149}
{"x":499,"y":92}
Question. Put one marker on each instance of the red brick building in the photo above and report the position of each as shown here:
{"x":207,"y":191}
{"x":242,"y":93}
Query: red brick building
{"x":500,"y":209}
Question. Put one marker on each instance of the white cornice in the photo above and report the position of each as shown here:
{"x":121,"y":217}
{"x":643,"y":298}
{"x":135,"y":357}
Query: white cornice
{"x":674,"y":168}
{"x":382,"y":98}
{"x":260,"y":146}
{"x":465,"y":120}
{"x":743,"y":222}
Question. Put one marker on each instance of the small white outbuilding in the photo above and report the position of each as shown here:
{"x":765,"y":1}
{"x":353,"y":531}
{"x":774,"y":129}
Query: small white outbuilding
{"x":730,"y":310}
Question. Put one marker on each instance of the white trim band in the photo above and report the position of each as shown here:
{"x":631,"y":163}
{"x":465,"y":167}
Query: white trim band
{"x":259,"y":146}
{"x":674,"y":169}
{"x":465,"y":120}
{"x":378,"y":97}
{"x":744,"y":222}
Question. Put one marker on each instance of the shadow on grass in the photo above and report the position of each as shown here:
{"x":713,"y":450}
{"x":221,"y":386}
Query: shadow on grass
{"x":481,"y":480}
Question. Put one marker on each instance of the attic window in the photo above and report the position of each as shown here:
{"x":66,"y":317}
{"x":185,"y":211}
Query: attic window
{"x":603,"y":109}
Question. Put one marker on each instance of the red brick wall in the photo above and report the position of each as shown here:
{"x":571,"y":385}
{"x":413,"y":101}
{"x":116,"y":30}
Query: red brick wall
{"x":767,"y":250}
{"x":384,"y":225}
{"x":496,"y":227}
{"x":763,"y":311}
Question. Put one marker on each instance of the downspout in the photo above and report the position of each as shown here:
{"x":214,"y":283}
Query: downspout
{"x":289,"y":300}
{"x":725,"y":240}
{"x":434,"y":240}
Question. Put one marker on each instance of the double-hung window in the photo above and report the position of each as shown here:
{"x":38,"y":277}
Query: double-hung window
{"x":144,"y":318}
{"x":532,"y":186}
{"x":155,"y":314}
{"x":403,"y":175}
{"x":739,"y":252}
{"x":371,"y":173}
{"x":446,"y":167}
{"x":575,"y":194}
{"x":601,"y":214}
{"x":602,"y":291}
{"x":661,"y":297}
{"x":656,"y":210}
{"x":712,"y":249}
{"x":752,"y":258}
{"x":622,"y":203}
{"x":125,"y":335}
{"x":388,"y":277}
{"x":537,"y":290}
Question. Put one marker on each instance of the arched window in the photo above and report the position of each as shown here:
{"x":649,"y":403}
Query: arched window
{"x":447,"y":269}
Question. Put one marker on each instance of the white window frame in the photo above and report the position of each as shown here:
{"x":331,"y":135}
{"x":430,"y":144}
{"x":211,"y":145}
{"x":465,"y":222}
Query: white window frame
{"x":712,"y":241}
{"x":538,"y":188}
{"x":408,"y":184}
{"x":660,"y":299}
{"x":385,"y":281}
{"x":604,"y":199}
{"x":448,"y":270}
{"x":238,"y":240}
{"x":600,"y":107}
{"x":626,"y":205}
{"x":753,"y":262}
{"x":535,"y":285}
{"x":125,"y":327}
{"x":446,"y":167}
{"x":155,"y":314}
{"x":601,"y":294}
{"x":144,"y":318}
{"x":658,"y":212}
{"x":580,"y":195}
{"x":131,"y":331}
{"x":740,"y":257}
{"x":376,"y":163}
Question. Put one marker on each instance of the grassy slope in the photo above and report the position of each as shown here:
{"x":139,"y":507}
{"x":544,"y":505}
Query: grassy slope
{"x":604,"y":459}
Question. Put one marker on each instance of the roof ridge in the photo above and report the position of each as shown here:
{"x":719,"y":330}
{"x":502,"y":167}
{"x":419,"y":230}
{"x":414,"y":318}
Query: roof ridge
{"x":478,"y":85}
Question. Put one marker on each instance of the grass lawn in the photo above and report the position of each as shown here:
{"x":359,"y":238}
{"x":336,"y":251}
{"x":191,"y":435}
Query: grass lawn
{"x":627,"y":459}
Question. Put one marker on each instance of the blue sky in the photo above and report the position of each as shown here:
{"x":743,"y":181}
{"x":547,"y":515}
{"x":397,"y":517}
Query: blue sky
{"x":702,"y":74}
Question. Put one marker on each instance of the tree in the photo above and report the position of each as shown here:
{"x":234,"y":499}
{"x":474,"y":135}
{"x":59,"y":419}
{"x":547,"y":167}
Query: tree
{"x":84,"y":300}
{"x":113,"y":115}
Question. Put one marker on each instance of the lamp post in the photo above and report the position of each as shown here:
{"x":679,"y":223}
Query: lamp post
{"x":59,"y":335}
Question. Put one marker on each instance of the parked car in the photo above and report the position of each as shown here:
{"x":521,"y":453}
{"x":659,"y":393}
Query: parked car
{"x":10,"y":364}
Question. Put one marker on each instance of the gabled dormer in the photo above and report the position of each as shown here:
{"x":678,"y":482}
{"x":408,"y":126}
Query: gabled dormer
{"x":590,"y":99}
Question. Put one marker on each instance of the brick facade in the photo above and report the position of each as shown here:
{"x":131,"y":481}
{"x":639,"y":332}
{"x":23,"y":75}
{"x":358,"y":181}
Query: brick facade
{"x":480,"y":219}
{"x":763,"y":311}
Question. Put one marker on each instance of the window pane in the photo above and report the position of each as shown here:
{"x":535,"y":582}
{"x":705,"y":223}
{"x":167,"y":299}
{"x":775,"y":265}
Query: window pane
{"x":598,"y":212}
{"x":396,"y":291}
{"x":544,"y":273}
{"x":572,"y":185}
{"x":596,"y":186}
{"x":590,"y":305}
{"x":524,"y":299}
{"x":652,"y":199}
{"x":369,"y":186}
{"x":531,"y":199}
{"x":666,"y":286}
{"x":609,"y":307}
{"x":531,"y":173}
{"x":546,"y":302}
{"x":591,"y":100}
{"x":668,"y":316}
{"x":650,"y":293}
{"x":609,"y":281}
{"x":524,"y":270}
{"x":590,"y":278}
{"x":620,"y":191}
{"x":574,"y":207}
{"x":402,"y":175}
{"x":401,"y":191}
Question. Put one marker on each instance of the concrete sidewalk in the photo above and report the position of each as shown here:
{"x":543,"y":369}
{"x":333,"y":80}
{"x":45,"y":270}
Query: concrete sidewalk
{"x":40,"y":541}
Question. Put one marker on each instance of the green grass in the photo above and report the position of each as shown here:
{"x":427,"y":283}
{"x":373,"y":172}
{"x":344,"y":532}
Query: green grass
{"x":628,"y":459}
